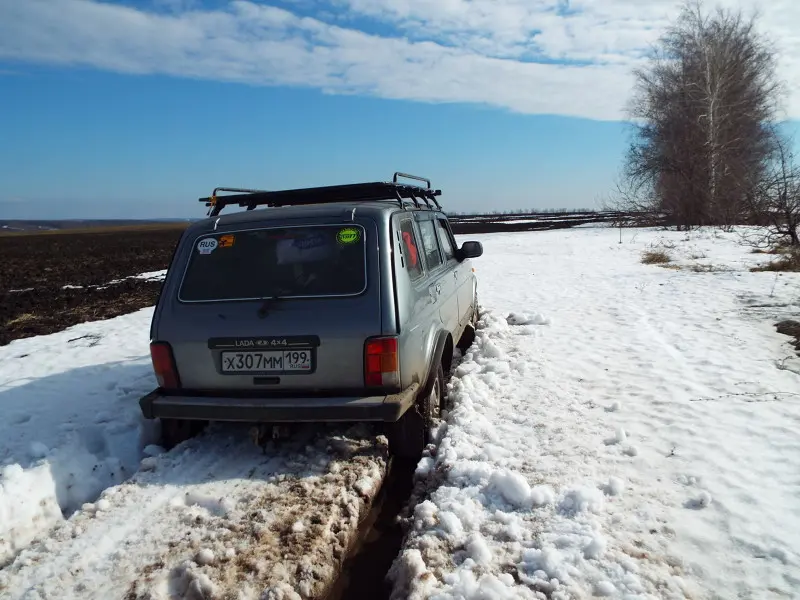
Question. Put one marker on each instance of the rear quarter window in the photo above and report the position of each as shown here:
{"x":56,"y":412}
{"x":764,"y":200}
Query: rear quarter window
{"x":304,"y":261}
{"x":411,"y":250}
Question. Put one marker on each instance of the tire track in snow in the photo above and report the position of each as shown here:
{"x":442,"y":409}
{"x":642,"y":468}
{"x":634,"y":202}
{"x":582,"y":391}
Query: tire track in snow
{"x":214,"y":518}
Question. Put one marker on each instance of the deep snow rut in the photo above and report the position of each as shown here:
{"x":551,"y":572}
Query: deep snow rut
{"x":217,"y":517}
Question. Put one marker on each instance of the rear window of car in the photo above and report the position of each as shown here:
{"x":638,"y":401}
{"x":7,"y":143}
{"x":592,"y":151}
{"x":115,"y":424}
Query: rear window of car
{"x":306,"y":261}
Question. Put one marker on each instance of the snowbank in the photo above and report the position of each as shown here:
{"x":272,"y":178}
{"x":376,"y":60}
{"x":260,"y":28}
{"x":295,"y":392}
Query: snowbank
{"x":636,"y":442}
{"x":72,"y":426}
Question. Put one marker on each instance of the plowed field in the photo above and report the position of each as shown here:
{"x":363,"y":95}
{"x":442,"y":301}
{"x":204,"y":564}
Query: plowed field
{"x":50,"y":281}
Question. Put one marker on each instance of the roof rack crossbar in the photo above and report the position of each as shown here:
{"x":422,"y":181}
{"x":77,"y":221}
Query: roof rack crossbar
{"x":423,"y":198}
{"x":214,"y":203}
{"x":427,"y":199}
{"x":358,"y":192}
{"x":414,"y":177}
{"x":402,"y":202}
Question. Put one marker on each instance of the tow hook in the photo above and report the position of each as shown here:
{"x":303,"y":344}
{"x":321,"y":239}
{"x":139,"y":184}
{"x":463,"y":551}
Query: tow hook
{"x":281,"y":432}
{"x":262,"y":434}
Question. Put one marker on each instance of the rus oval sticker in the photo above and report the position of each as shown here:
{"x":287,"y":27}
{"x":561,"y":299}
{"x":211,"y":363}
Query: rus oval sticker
{"x":349,"y":235}
{"x":207,"y":246}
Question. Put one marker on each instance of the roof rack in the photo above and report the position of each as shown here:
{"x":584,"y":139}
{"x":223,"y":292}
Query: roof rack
{"x":361,"y":192}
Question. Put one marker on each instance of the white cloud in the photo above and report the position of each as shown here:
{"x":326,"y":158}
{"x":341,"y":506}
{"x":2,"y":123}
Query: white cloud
{"x":497,"y":52}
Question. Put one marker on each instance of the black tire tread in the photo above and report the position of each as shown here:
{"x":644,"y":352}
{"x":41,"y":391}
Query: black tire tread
{"x":409,"y":436}
{"x":176,"y":431}
{"x":468,"y":337}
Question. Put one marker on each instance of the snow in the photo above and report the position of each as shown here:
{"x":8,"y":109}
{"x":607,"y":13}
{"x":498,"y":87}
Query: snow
{"x":595,"y":548}
{"x":615,"y":486}
{"x":513,"y":487}
{"x":479,"y":550}
{"x":605,"y":588}
{"x":148,"y":276}
{"x":702,"y":500}
{"x":92,"y":508}
{"x":72,"y":424}
{"x":215,"y":512}
{"x":657,"y":405}
{"x":526,"y":319}
{"x":154,"y":276}
{"x":38,"y":450}
{"x":204,"y":557}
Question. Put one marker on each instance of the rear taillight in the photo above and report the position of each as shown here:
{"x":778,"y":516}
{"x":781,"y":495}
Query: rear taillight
{"x":164,"y":365}
{"x":381,"y":363}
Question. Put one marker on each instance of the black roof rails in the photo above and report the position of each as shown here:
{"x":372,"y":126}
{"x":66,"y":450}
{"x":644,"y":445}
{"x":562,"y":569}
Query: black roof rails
{"x":393,"y":191}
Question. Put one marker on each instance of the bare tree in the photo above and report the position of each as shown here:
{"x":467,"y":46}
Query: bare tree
{"x":631,"y":203}
{"x":776,"y":203}
{"x":702,"y":109}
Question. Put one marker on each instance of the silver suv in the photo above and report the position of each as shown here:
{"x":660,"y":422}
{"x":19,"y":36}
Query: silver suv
{"x":340,"y":303}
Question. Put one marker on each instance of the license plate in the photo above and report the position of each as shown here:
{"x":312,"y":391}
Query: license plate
{"x":266,"y":361}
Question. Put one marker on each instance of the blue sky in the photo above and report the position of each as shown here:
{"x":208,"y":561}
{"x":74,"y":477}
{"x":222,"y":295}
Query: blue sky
{"x":135,"y":110}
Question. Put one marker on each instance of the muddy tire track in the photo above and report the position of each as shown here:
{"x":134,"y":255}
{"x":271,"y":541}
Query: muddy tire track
{"x":215,"y":519}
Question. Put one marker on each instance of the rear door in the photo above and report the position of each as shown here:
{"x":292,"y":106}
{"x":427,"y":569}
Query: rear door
{"x":441,"y":282}
{"x":275,"y":306}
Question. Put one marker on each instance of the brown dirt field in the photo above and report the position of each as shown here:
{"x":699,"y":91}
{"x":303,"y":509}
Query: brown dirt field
{"x":41,"y":264}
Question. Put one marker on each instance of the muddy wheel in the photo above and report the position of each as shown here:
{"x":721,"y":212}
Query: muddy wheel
{"x":432,"y":405}
{"x":409,"y":436}
{"x":175,"y":431}
{"x":468,"y":337}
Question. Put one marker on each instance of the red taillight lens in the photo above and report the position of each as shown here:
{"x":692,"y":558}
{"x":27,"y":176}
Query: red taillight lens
{"x":164,"y":365}
{"x":381,"y":364}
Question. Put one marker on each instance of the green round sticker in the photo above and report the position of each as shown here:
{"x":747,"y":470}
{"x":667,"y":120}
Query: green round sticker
{"x":349,"y":235}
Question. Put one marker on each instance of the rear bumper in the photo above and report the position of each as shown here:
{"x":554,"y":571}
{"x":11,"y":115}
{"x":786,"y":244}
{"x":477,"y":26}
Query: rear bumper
{"x":189,"y":405}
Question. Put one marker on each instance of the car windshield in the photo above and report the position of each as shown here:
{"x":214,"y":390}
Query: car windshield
{"x":305,"y":261}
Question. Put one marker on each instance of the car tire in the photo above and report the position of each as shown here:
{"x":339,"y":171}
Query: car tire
{"x":468,"y":337}
{"x":175,"y":431}
{"x":433,"y":403}
{"x":409,"y":436}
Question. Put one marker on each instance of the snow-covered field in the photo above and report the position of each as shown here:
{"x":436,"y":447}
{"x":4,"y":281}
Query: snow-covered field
{"x":617,"y":430}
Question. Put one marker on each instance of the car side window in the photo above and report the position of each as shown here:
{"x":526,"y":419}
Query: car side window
{"x":445,"y":240}
{"x":411,"y":249}
{"x":427,"y":230}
